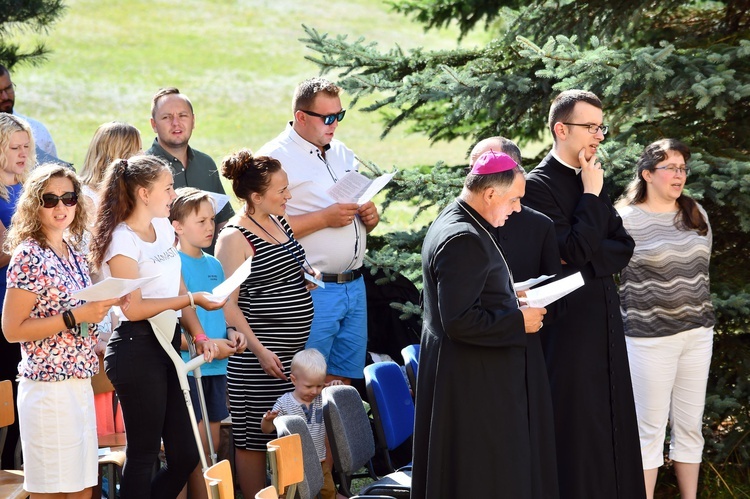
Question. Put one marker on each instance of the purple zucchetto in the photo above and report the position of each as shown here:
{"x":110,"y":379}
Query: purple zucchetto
{"x":493,"y":162}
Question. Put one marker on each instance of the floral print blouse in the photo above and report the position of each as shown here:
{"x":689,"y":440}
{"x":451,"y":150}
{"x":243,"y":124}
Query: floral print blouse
{"x":66,"y":354}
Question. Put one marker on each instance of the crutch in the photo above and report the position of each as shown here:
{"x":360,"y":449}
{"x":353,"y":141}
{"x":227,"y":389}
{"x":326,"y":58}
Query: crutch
{"x":201,"y":398}
{"x":163,"y":325}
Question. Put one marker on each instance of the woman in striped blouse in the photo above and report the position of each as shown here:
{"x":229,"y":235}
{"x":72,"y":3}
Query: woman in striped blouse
{"x":667,"y":311}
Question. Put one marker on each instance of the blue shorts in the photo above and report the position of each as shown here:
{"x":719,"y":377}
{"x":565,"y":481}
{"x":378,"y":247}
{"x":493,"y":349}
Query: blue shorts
{"x":215,"y":391}
{"x":339,"y":327}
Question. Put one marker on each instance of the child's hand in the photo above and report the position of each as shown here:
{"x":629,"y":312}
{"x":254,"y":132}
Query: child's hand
{"x":270,"y":415}
{"x":334,"y":382}
{"x":238,"y":340}
{"x":226,"y":348}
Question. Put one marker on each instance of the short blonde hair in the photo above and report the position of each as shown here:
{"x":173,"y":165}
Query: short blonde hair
{"x":310,"y":361}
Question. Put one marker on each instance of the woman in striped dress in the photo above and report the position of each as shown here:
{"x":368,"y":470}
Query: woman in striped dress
{"x":667,"y":312}
{"x":272,"y":308}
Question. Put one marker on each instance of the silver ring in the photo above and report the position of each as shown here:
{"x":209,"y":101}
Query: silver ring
{"x":541,"y":324}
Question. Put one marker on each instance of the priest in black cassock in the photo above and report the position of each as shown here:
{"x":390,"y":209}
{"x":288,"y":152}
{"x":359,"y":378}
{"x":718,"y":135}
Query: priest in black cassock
{"x":471,"y":433}
{"x":530,"y":246}
{"x":598,"y":449}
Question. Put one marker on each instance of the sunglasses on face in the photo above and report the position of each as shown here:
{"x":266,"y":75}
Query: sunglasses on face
{"x":328,"y":119}
{"x":68,"y":199}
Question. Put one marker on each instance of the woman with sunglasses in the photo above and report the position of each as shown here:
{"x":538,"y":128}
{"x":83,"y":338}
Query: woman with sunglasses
{"x":135,"y":239}
{"x":57,"y":333}
{"x":17,"y":157}
{"x":667,"y":311}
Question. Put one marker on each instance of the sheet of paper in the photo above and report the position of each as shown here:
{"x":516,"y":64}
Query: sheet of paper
{"x":530,"y":283}
{"x":111,"y":287}
{"x":220,"y":292}
{"x":220,"y":200}
{"x":544,"y":295}
{"x":356,"y":188}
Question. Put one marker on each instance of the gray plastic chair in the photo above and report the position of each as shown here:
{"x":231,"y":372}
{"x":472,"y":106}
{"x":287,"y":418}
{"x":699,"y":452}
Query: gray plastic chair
{"x":308,"y":488}
{"x":352,"y":444}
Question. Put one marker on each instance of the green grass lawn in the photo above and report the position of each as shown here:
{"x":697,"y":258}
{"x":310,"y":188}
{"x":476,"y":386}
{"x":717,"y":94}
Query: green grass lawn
{"x":238,"y":61}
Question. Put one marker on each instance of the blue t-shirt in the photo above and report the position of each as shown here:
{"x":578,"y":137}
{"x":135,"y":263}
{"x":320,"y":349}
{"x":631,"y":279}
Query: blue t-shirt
{"x":7,"y":209}
{"x":204,"y":274}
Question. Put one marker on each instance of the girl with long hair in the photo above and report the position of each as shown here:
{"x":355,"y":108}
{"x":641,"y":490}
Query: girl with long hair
{"x":135,"y":239}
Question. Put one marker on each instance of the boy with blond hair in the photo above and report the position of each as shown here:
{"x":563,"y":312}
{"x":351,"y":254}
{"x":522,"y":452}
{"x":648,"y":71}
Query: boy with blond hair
{"x":308,"y":375}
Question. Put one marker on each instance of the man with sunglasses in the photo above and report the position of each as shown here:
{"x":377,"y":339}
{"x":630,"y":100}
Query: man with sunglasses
{"x":596,"y":433}
{"x":333,"y":234}
{"x":173,"y":121}
{"x":42,"y":137}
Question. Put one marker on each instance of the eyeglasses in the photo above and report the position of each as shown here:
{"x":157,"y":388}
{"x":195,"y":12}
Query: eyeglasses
{"x":68,"y":199}
{"x":9,"y":89}
{"x":328,"y":119}
{"x":592,"y":128}
{"x":674,"y":169}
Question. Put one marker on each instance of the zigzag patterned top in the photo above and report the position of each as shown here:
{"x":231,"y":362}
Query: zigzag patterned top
{"x":664,"y":289}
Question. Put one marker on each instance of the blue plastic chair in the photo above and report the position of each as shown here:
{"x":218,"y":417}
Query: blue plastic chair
{"x":392,"y":407}
{"x":410,"y":354}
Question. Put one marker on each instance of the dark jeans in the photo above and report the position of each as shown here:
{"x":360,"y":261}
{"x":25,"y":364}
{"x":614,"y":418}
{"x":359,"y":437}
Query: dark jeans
{"x":154,"y":409}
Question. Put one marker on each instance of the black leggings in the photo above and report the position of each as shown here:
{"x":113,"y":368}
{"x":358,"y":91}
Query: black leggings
{"x":153,"y":408}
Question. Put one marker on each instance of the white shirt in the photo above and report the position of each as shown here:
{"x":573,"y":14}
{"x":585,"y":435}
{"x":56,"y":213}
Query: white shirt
{"x":42,"y":138}
{"x":330,"y":250}
{"x":159,"y":257}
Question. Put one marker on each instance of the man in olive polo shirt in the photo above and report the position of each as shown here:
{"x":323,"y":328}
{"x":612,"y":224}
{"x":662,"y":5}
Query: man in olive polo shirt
{"x":173,"y":121}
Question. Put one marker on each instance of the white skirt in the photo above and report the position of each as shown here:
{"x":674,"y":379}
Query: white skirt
{"x":58,"y":435}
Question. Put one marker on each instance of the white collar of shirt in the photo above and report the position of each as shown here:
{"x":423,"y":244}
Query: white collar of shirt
{"x":554,"y":155}
{"x":302,"y":143}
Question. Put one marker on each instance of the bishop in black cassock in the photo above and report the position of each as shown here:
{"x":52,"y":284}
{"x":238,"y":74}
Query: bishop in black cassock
{"x":472,"y":433}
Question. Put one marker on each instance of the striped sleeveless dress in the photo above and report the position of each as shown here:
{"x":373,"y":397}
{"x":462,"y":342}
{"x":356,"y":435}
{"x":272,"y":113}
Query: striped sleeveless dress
{"x":279,"y":309}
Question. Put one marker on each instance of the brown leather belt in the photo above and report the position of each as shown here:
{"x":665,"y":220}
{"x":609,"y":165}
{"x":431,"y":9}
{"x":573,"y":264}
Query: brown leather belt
{"x":348,"y":276}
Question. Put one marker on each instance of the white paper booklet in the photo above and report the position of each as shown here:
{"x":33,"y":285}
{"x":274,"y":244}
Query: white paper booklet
{"x":356,"y":188}
{"x":544,"y":295}
{"x":220,"y":200}
{"x":220,"y":292}
{"x":111,"y":287}
{"x":530,"y":283}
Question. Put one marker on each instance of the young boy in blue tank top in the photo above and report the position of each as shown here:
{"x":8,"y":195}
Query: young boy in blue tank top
{"x":192,"y":215}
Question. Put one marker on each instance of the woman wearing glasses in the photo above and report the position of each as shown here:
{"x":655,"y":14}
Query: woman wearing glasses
{"x":668,"y":314}
{"x":57,"y":333}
